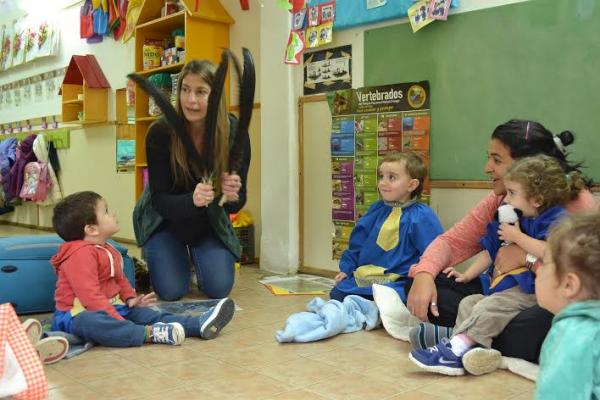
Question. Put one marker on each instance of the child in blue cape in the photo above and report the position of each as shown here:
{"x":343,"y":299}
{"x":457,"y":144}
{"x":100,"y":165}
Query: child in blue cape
{"x":393,"y":233}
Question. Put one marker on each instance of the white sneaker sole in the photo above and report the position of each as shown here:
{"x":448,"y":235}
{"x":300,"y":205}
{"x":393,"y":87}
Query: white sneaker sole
{"x":480,"y":361}
{"x":438,"y":368}
{"x":178,"y":333}
{"x":33,"y":329}
{"x":52,"y":349}
{"x":221,"y":315}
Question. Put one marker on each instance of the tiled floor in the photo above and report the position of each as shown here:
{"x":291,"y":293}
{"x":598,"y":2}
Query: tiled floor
{"x":245,"y":362}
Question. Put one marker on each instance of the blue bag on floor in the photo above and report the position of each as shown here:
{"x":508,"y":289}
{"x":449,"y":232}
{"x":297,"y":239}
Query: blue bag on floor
{"x":27,"y":279}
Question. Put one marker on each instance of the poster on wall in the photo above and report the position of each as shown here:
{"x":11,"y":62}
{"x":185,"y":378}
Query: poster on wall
{"x":368,"y":123}
{"x":26,"y":40}
{"x":6,"y":55}
{"x":18,"y":43}
{"x":328,"y":70}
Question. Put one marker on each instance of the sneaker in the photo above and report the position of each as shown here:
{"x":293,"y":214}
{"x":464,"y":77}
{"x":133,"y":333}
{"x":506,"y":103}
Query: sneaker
{"x":216,"y":318}
{"x":479,"y":360}
{"x":439,"y":358}
{"x":33,"y":329}
{"x":171,"y":333}
{"x":52,"y":349}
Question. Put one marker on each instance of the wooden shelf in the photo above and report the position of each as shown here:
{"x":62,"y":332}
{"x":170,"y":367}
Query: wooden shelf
{"x":147,"y":119}
{"x":73,"y":101}
{"x":141,"y":165}
{"x":170,"y":22}
{"x":164,"y":68}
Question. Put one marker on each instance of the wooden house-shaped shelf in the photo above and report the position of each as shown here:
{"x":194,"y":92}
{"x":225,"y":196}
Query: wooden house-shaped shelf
{"x":84,"y":91}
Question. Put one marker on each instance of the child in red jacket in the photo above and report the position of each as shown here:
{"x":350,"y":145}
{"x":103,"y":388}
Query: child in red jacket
{"x":94,"y":299}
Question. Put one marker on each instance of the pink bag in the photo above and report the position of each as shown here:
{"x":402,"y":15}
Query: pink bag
{"x":86,"y":20}
{"x":36,"y":181}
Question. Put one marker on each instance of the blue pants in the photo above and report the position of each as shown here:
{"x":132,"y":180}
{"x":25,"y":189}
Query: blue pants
{"x":101,"y":328}
{"x":169,"y":266}
{"x":337,"y":294}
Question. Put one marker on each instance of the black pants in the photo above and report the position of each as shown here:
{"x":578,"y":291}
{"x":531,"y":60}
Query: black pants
{"x":522,"y":337}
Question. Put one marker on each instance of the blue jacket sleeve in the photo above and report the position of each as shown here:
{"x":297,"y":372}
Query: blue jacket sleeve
{"x":425,"y":229}
{"x":490,"y":242}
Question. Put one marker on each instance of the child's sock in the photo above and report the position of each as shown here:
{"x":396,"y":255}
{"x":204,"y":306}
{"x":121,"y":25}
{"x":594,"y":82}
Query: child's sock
{"x":426,"y":335}
{"x":461,"y":343}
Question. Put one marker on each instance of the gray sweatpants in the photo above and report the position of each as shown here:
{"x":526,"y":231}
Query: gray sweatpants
{"x":482,"y":318}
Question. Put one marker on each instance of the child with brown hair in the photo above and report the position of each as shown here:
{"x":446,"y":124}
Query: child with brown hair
{"x":392,"y":234}
{"x":568,"y":285}
{"x":94,"y":299}
{"x":538,"y":187}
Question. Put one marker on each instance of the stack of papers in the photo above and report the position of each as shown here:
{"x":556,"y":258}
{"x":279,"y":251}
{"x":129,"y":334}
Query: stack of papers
{"x":281,"y":285}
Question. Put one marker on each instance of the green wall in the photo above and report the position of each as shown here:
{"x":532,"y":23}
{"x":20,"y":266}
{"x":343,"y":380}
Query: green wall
{"x":536,"y":60}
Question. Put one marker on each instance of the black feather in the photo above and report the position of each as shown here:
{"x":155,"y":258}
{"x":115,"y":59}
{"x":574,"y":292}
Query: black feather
{"x":212,"y":112}
{"x":172,"y":117}
{"x":246,"y":104}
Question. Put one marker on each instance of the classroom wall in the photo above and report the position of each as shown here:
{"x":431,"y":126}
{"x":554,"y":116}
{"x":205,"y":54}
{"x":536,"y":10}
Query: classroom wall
{"x":449,"y":204}
{"x":89,"y":163}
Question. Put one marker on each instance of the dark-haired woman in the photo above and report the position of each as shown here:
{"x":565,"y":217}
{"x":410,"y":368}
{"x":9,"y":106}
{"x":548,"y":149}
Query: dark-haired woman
{"x":434,"y":297}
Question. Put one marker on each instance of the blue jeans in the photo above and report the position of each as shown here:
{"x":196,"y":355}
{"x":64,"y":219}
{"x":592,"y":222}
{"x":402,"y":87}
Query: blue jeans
{"x":101,"y":328}
{"x":169,"y":266}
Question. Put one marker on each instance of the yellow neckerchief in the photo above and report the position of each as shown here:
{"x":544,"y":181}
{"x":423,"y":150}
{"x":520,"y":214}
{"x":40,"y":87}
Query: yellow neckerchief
{"x":389,"y":234}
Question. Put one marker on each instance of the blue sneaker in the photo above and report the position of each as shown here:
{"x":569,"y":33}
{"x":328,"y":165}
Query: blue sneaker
{"x":439,"y":358}
{"x":215,"y":319}
{"x":171,"y":333}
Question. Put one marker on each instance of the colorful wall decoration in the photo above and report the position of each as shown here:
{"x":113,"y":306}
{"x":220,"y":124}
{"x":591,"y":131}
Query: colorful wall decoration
{"x":27,"y":39}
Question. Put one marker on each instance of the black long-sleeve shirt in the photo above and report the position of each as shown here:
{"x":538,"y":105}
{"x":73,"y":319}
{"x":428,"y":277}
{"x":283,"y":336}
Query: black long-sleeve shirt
{"x":186,"y":221}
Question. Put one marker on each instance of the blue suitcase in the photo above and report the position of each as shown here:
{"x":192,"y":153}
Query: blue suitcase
{"x":27,"y":279}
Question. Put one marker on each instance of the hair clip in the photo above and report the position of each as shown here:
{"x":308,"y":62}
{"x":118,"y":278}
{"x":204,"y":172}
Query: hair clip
{"x":560,"y":145}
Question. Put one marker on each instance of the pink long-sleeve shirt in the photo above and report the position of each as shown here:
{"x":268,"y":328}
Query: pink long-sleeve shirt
{"x":462,"y":240}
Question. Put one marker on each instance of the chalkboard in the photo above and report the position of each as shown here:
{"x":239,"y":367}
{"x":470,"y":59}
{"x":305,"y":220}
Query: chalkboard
{"x":536,"y":60}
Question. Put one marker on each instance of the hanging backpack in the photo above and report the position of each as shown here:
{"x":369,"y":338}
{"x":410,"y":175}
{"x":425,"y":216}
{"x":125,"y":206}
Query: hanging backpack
{"x":100,"y":21}
{"x":36,"y":181}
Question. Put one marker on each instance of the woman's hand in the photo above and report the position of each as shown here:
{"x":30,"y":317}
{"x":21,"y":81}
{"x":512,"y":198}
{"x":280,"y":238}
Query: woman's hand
{"x":458,"y":276}
{"x":423,"y":296}
{"x":509,"y":257}
{"x":340,"y":277}
{"x":143,"y":300}
{"x":203,"y":194}
{"x":231,"y":185}
{"x":509,"y":232}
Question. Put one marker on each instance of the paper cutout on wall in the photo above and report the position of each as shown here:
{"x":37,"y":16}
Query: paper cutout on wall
{"x":295,"y":48}
{"x":418,"y":15}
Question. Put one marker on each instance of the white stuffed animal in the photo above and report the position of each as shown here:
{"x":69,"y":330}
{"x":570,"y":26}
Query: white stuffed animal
{"x":509,"y":214}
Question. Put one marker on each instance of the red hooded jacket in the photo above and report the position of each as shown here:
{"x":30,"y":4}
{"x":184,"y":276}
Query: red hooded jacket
{"x":91,"y":273}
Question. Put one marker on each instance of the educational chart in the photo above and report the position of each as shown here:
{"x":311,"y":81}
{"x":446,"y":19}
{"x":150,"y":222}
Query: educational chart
{"x":368,"y":123}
